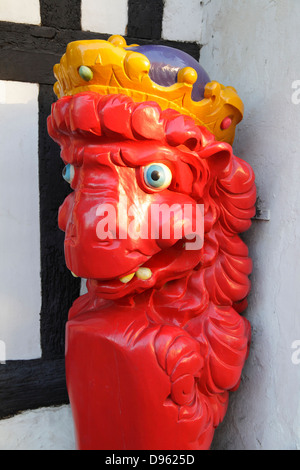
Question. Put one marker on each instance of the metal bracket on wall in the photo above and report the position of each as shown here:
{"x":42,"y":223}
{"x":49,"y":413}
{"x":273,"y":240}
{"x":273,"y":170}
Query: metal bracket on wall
{"x":261,"y":213}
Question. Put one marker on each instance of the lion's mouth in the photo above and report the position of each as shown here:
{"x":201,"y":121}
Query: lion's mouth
{"x":140,"y":279}
{"x":141,"y":273}
{"x":168,"y":264}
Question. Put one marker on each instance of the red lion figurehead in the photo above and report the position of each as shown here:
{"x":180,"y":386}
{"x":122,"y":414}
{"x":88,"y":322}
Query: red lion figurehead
{"x":153,"y":222}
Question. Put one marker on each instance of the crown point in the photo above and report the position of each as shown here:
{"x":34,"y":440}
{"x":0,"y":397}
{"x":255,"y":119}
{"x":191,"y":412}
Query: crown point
{"x":56,"y":89}
{"x":98,"y":60}
{"x":187,"y":75}
{"x":136,"y":64}
{"x":212,"y":89}
{"x":86,"y":73}
{"x":117,"y":40}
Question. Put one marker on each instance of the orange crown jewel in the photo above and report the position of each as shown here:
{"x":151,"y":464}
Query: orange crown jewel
{"x":109,"y":67}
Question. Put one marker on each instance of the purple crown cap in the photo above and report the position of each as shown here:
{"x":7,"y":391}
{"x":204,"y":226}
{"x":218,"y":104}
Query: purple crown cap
{"x":167,"y":61}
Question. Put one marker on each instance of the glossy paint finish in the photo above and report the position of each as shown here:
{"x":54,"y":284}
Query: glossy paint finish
{"x":169,"y":77}
{"x":158,"y":342}
{"x":166,"y":62}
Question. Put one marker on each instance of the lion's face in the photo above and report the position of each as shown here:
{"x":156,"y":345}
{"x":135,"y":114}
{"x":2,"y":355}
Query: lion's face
{"x":131,"y":223}
{"x":145,"y":181}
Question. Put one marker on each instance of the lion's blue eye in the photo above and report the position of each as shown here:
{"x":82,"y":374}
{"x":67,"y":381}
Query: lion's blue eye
{"x":157,"y":176}
{"x":68,"y":173}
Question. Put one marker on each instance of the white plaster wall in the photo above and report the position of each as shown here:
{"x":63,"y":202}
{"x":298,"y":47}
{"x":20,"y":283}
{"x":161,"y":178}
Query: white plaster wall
{"x":13,"y":10}
{"x":20,"y":291}
{"x":105,"y":16}
{"x":182,"y":20}
{"x":44,"y":429}
{"x":254,"y":46}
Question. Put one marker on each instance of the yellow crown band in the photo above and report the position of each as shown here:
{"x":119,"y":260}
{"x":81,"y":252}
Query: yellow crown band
{"x":107,"y":67}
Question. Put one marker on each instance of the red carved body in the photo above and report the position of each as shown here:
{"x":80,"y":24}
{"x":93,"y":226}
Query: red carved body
{"x":150,"y":362}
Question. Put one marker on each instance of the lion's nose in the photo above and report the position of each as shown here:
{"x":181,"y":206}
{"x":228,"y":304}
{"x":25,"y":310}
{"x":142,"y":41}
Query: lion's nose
{"x":106,"y":239}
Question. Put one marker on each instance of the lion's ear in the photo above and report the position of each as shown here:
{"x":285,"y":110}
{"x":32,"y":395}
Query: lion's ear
{"x":181,"y":130}
{"x":218,"y":156}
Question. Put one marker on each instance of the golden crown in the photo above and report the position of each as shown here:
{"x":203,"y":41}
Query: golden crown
{"x":107,"y":67}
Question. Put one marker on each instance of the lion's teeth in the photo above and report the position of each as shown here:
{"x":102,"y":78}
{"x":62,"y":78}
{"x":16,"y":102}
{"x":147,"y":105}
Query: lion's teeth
{"x":143,"y":274}
{"x":74,"y":275}
{"x":127,"y":278}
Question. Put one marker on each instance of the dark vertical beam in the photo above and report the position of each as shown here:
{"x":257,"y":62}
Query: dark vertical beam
{"x":63,"y":14}
{"x":145,"y":26}
{"x":59,"y":287}
{"x":145,"y":18}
